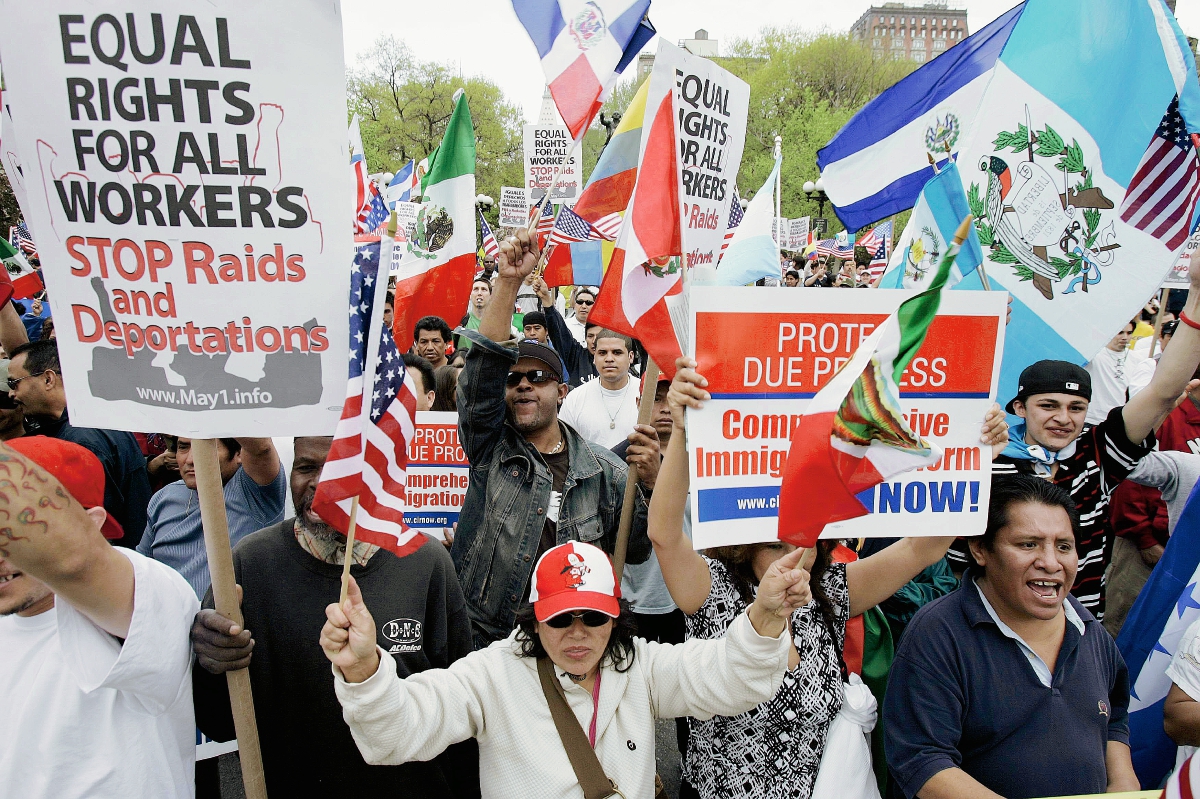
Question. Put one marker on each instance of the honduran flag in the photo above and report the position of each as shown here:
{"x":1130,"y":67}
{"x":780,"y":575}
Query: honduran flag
{"x":584,"y":47}
{"x":853,"y":435}
{"x":405,"y":185}
{"x":1167,"y":605}
{"x":603,"y":202}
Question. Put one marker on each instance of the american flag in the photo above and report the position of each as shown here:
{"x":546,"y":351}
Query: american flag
{"x":735,"y":218}
{"x":570,"y":226}
{"x":369,"y":456}
{"x":490,"y":248}
{"x":877,"y":242}
{"x":1162,"y":196}
{"x":372,"y":215}
{"x":830,"y":248}
{"x":546,"y":223}
{"x":21,"y":241}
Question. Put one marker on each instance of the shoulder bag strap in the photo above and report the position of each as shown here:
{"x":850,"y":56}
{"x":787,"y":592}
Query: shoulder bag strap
{"x":588,"y":771}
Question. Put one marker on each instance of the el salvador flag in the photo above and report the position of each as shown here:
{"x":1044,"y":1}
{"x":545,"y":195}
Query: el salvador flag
{"x":1166,"y":607}
{"x":876,"y":165}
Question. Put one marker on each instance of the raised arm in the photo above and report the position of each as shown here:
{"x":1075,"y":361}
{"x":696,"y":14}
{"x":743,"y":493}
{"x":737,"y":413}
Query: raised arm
{"x":260,"y":460}
{"x":1178,"y":362}
{"x":518,"y":257}
{"x":684,"y":571}
{"x":48,"y":535}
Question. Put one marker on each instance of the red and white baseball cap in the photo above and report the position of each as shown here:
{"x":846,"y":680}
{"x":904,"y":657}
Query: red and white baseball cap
{"x":574,"y":576}
{"x":79,"y":471}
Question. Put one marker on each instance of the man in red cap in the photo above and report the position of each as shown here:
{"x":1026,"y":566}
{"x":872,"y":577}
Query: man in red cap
{"x":93,"y":640}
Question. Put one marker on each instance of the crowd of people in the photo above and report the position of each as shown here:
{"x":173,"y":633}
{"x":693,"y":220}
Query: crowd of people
{"x":510,"y":659}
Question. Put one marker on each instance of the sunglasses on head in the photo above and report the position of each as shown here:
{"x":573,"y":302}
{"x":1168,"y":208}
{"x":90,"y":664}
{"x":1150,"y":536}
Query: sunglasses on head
{"x":535,"y":377}
{"x":590,"y":618}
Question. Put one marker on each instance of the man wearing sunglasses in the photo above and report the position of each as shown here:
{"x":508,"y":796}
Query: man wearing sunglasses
{"x":35,"y":380}
{"x":584,"y":299}
{"x":12,"y":418}
{"x":535,"y":483}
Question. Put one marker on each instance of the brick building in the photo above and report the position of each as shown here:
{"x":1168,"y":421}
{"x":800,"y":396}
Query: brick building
{"x":911,"y":32}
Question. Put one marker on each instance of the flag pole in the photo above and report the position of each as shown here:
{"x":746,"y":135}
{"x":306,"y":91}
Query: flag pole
{"x":645,"y":410}
{"x":1158,"y":323}
{"x":370,"y":366}
{"x":220,"y":566}
{"x":779,"y":201}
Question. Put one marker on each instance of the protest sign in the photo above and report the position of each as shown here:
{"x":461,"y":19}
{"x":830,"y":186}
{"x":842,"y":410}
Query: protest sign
{"x":766,"y":354}
{"x":798,"y":234}
{"x":546,"y":147}
{"x":710,"y":106}
{"x":188,"y":191}
{"x":438,"y":473}
{"x":781,"y":231}
{"x":1178,"y":276}
{"x":514,"y":207}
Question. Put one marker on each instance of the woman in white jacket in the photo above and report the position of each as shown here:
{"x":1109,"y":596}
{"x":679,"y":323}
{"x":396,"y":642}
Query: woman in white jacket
{"x":615,"y":684}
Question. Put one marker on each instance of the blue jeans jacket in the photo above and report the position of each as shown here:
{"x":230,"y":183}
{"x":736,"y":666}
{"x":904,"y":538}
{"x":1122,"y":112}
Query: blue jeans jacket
{"x":504,"y":512}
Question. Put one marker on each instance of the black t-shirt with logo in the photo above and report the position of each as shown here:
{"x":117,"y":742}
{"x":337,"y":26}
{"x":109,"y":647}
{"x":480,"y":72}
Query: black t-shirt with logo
{"x":421,"y":619}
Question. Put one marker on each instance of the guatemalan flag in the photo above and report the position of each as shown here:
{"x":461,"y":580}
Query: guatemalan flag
{"x":853,"y":435}
{"x":1166,"y":607}
{"x":752,"y":252}
{"x":1077,"y":161}
{"x":584,"y":47}
{"x":369,"y":456}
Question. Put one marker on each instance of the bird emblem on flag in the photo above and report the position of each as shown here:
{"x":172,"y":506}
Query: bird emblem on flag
{"x":922,"y":254}
{"x":433,"y":229}
{"x":587,"y":27}
{"x":1043,"y":216}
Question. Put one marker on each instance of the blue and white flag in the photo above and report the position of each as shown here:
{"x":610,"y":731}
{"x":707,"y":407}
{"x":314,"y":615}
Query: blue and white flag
{"x":940,"y":209}
{"x":876,"y":165}
{"x":752,"y":252}
{"x":1166,"y":607}
{"x":405,"y":186}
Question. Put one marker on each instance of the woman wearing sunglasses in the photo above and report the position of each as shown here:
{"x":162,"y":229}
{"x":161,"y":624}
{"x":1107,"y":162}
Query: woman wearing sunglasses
{"x":581,"y":634}
{"x":780,"y":742}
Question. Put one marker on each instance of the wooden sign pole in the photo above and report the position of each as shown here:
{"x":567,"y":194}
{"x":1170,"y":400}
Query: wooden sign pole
{"x":220,"y":566}
{"x":645,"y":409}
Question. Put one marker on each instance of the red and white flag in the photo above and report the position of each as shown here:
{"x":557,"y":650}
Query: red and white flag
{"x":369,"y":455}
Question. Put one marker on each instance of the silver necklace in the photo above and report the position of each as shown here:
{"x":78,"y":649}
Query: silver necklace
{"x":612,"y":417}
{"x":558,"y":447}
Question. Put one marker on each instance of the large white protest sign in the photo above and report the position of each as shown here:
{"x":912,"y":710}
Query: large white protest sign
{"x":438,"y":474}
{"x":546,"y":147}
{"x":798,"y":234}
{"x":1178,"y":276}
{"x":189,"y":193}
{"x":767,"y":353}
{"x":781,"y":231}
{"x":514,"y":206}
{"x":710,"y":106}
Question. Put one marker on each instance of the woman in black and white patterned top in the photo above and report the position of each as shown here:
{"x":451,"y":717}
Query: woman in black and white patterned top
{"x":773,"y":751}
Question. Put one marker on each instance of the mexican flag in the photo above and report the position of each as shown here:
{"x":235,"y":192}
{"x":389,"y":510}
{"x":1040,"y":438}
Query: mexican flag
{"x":435,"y":270}
{"x":853,"y":435}
{"x":26,"y":280}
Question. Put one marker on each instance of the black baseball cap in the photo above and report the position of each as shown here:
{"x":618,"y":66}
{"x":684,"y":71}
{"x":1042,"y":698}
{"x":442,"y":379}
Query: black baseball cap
{"x":1052,"y":377}
{"x":529,"y":348}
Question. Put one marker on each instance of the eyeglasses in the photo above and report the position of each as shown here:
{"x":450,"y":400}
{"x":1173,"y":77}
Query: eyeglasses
{"x":14,"y":382}
{"x":584,"y":302}
{"x":590,"y":618}
{"x":536,"y":377}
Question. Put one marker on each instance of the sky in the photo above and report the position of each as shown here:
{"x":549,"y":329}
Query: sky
{"x":483,"y":37}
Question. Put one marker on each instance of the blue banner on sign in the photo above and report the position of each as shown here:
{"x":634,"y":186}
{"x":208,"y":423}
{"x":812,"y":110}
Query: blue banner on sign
{"x":718,"y":504}
{"x":435,"y":519}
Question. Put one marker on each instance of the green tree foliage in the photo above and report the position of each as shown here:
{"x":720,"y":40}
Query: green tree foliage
{"x":803,"y":87}
{"x":10,"y":212}
{"x":404,"y":105}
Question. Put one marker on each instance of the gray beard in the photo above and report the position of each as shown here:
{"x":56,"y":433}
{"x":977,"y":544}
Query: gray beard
{"x":321,"y":531}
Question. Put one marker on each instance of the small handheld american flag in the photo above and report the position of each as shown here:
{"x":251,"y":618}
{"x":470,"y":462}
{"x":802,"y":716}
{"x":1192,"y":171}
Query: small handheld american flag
{"x":22,"y":241}
{"x":490,"y":248}
{"x":1163,"y":193}
{"x":369,"y":455}
{"x":735,"y":218}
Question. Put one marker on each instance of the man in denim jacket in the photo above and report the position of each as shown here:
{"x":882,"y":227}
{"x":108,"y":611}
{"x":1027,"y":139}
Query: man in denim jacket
{"x":535,"y":482}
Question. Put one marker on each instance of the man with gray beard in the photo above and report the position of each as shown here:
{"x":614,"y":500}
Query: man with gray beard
{"x":286,"y":575}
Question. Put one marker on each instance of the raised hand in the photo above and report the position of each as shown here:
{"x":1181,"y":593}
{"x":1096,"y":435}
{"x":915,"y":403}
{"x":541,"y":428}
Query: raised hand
{"x":220,"y":644}
{"x":348,"y":637}
{"x":994,"y":432}
{"x":518,"y":256}
{"x":687,"y":390}
{"x":644,"y":454}
{"x":783,"y":588}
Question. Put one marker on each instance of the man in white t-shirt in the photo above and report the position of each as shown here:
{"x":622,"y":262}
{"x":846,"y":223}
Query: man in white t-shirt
{"x":94,"y":650}
{"x":584,"y":299}
{"x":604,"y":411}
{"x":1181,"y":710}
{"x":1111,"y":371}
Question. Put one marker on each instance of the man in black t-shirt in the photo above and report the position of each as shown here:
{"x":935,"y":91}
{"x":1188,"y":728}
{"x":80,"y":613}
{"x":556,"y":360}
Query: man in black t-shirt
{"x":288,"y":574}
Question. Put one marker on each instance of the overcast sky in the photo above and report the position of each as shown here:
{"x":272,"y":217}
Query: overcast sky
{"x":483,"y":37}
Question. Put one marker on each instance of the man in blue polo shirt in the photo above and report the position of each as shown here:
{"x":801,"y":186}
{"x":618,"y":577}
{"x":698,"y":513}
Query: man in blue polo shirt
{"x":1008,"y":686}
